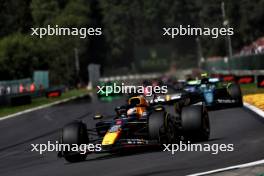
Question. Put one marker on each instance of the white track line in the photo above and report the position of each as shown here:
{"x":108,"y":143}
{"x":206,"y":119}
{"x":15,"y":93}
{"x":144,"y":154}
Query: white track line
{"x":40,"y":107}
{"x":261,"y":114}
{"x":254,"y":109}
{"x":230,"y":168}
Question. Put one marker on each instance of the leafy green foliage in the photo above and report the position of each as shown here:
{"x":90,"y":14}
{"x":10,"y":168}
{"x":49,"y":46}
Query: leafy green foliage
{"x":127,"y":25}
{"x":16,"y":54}
{"x":44,"y":11}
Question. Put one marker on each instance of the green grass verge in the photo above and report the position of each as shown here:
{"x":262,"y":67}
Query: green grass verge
{"x":7,"y":110}
{"x":251,"y":89}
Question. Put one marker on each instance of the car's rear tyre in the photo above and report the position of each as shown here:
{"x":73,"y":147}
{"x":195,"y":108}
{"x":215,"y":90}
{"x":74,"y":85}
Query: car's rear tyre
{"x":161,"y":128}
{"x":195,"y":123}
{"x":235,"y":93}
{"x":74,"y":133}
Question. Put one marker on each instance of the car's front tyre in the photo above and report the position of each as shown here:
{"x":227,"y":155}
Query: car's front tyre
{"x":235,"y":92}
{"x":74,"y":133}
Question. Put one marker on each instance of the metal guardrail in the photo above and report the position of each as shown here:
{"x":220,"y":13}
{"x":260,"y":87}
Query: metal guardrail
{"x":180,"y":74}
{"x":130,"y":77}
{"x":249,"y":62}
{"x":239,"y":72}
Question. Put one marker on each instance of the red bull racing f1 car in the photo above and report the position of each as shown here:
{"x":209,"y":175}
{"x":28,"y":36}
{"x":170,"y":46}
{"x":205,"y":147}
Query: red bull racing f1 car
{"x":141,"y":122}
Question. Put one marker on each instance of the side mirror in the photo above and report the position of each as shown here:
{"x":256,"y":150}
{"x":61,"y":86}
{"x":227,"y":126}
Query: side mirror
{"x":117,"y":108}
{"x":98,"y":116}
{"x":159,"y":108}
{"x":120,"y":110}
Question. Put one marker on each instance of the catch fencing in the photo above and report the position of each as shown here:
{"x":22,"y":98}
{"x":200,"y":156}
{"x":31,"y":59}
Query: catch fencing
{"x":250,"y":62}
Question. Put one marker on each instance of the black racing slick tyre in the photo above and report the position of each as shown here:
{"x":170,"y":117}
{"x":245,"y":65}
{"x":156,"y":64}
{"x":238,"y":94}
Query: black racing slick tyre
{"x":235,"y":93}
{"x":195,"y":123}
{"x":161,"y":128}
{"x":72,"y":134}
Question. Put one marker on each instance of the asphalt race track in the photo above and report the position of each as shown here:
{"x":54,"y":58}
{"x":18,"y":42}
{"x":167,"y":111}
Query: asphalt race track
{"x":238,"y":126}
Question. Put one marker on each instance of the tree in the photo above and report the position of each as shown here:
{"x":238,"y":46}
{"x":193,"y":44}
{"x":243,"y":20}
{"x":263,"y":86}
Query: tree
{"x":57,"y":52}
{"x":14,"y":17}
{"x":44,"y":11}
{"x":16,"y":57}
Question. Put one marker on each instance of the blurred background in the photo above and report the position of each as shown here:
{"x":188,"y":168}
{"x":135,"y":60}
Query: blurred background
{"x":132,"y":40}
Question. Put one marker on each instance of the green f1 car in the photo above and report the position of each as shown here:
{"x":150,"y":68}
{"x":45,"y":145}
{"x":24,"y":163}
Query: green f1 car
{"x":215,"y":93}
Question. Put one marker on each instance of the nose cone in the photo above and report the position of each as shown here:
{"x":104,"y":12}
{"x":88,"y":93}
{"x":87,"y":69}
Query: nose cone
{"x":209,"y":97}
{"x":110,"y":138}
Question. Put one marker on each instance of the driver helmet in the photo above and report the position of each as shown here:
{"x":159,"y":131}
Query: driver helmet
{"x":138,"y":101}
